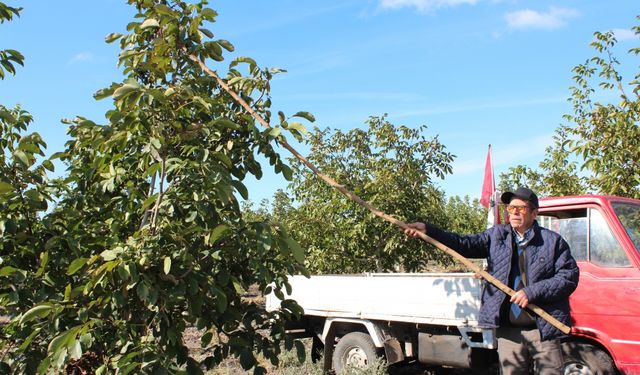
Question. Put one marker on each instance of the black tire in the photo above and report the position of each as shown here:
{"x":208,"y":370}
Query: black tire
{"x":355,"y":349}
{"x":586,"y":359}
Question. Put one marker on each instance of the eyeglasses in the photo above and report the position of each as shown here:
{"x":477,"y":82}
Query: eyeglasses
{"x":519,"y":209}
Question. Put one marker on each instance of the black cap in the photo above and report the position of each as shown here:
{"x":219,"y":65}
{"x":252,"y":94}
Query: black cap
{"x":522,"y":193}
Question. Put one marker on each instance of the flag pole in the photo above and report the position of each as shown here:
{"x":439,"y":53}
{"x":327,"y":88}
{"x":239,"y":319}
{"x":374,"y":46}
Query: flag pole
{"x":489,"y":195}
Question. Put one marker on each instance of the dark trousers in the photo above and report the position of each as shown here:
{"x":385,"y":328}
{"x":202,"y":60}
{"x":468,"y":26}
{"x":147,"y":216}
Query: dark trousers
{"x":519,"y":348}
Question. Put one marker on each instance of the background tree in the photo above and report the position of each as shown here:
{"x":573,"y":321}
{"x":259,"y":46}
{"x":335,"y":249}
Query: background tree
{"x":391,"y":167}
{"x":24,"y":193}
{"x":606,"y":134}
{"x":9,"y":57}
{"x":465,"y":215}
{"x":520,"y":175}
{"x":599,"y":149}
{"x":278,"y":209}
{"x":557,"y":174}
{"x":146,"y":236}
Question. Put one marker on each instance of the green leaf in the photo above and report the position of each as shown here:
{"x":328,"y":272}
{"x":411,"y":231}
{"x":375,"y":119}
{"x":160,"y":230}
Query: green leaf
{"x":221,"y":300}
{"x":243,"y":59}
{"x":287,"y":172}
{"x":236,"y":285}
{"x":76,"y":265}
{"x":28,"y":340}
{"x":125,"y":90}
{"x":108,"y":255}
{"x":48,"y":165}
{"x":298,"y":127}
{"x":226,"y":123}
{"x":149,"y":201}
{"x":241,"y":189}
{"x":75,"y":350}
{"x":67,"y":292}
{"x":153,"y":169}
{"x":43,"y":367}
{"x":275,"y":132}
{"x":5,"y":187}
{"x":191,"y":216}
{"x":208,"y":14}
{"x":7,"y":116}
{"x":63,"y":340}
{"x":112,"y":37}
{"x":234,"y":80}
{"x":149,"y":22}
{"x":59,"y":155}
{"x":38,"y":311}
{"x":206,"y":339}
{"x":214,"y":49}
{"x":22,"y":157}
{"x":206,"y":32}
{"x":217,"y":233}
{"x":33,"y":195}
{"x":300,"y":351}
{"x":163,"y":9}
{"x":167,"y":265}
{"x":8,"y":270}
{"x":223,"y":158}
{"x":247,"y":359}
{"x":103,"y":93}
{"x":44,"y":260}
{"x":226,"y":45}
{"x":298,"y":252}
{"x":143,"y":291}
{"x":305,"y":115}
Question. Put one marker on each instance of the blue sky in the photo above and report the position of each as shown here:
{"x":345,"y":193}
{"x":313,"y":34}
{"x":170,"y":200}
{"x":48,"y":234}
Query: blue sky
{"x":474,"y":71}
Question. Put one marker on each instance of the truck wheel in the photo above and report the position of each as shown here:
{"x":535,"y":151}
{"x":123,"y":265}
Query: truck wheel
{"x":354,"y":349}
{"x":586,"y":359}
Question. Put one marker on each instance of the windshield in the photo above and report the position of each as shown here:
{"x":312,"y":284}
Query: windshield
{"x":629,"y":215}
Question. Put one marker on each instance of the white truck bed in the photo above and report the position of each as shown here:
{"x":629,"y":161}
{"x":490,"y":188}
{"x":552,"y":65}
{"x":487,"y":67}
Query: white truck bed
{"x":451,"y":299}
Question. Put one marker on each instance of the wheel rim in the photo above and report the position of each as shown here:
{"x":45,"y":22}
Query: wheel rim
{"x":577,"y":368}
{"x":356,"y":357}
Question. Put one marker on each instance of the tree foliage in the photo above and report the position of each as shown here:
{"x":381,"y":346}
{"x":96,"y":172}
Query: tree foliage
{"x":557,"y":174}
{"x":598,"y":150}
{"x":145,"y":236}
{"x":9,"y":57}
{"x":606,"y":135}
{"x":465,"y":215}
{"x":393,"y":168}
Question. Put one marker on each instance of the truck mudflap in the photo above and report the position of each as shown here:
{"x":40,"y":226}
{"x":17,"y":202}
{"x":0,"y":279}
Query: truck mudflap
{"x":479,"y":337}
{"x":467,"y":350}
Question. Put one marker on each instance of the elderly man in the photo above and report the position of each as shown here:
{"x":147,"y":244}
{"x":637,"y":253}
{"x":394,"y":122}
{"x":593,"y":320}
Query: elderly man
{"x":537,"y":264}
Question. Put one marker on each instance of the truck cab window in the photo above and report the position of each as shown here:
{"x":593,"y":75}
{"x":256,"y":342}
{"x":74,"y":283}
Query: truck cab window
{"x":629,"y":215}
{"x":589,"y":235}
{"x":572,"y":226}
{"x":604,"y":248}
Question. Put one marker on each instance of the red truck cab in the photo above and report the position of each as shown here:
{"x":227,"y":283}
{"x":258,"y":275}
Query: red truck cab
{"x":604,"y":235}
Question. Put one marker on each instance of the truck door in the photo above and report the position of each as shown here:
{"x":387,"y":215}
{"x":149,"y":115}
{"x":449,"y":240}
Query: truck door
{"x":605,"y":304}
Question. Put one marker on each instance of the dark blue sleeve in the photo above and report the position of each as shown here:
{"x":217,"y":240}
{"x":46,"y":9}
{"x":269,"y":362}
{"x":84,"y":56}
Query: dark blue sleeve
{"x":469,"y":246}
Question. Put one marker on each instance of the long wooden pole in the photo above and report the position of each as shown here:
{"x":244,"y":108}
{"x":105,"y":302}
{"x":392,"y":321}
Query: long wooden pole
{"x":466,"y":262}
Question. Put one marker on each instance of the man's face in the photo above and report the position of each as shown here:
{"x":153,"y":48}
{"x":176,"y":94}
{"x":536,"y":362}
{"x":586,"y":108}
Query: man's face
{"x":521,"y":214}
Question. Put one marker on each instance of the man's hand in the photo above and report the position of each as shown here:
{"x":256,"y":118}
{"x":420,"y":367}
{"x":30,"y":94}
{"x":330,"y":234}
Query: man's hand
{"x":520,"y":298}
{"x":413,"y":229}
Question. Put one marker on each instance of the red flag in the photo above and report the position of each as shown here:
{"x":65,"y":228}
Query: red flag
{"x":488,"y":198}
{"x":489,"y":184}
